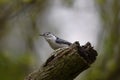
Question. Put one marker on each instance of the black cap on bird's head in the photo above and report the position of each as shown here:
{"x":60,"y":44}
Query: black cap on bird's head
{"x":47,"y":34}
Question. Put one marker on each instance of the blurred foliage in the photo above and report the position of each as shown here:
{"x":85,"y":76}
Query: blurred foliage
{"x":14,"y":69}
{"x":68,"y":3}
{"x":107,"y":66}
{"x":17,"y":33}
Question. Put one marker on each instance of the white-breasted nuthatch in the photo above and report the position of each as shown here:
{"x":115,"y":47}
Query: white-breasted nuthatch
{"x":55,"y":42}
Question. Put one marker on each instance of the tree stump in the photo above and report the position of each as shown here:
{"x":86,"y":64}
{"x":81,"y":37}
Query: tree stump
{"x":66,"y":63}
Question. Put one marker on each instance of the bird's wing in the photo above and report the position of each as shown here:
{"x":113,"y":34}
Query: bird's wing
{"x":61,"y":41}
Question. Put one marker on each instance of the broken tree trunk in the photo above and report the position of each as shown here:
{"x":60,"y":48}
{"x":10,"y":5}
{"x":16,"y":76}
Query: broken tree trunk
{"x":66,"y":63}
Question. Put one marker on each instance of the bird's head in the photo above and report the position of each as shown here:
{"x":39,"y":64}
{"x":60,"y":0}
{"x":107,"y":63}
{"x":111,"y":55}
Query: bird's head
{"x":48,"y":35}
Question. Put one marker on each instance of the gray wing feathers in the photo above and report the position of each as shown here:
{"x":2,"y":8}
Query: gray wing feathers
{"x":61,"y":41}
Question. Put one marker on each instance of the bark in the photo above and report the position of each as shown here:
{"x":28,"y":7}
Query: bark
{"x":66,"y":63}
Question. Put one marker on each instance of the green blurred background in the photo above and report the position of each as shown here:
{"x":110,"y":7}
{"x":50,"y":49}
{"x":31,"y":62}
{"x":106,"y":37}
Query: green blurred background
{"x":21,"y":21}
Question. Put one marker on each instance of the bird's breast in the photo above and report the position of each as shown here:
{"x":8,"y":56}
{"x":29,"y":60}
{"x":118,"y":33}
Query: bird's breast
{"x":55,"y":45}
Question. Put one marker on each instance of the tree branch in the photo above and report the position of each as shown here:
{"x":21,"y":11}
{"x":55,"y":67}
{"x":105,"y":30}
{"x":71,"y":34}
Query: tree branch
{"x":66,"y":63}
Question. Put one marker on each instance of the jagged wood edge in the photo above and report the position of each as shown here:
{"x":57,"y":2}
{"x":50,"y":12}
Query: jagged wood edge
{"x":65,"y":64}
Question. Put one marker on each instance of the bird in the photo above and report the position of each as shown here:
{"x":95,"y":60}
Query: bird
{"x":54,"y":41}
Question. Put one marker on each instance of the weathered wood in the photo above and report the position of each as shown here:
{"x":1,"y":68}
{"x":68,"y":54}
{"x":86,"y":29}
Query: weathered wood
{"x":65,"y":63}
